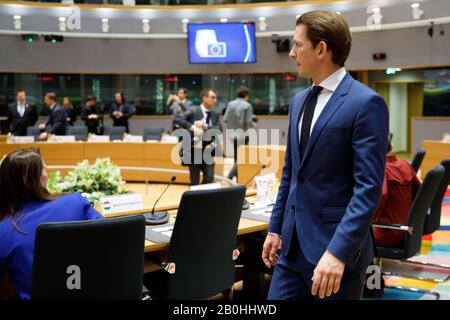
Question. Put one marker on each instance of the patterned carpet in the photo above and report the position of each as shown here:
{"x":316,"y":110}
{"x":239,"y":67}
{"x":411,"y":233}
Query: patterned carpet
{"x":435,"y":249}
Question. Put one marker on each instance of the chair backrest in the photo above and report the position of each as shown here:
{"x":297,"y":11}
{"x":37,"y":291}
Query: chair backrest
{"x":203,"y":241}
{"x":95,"y":259}
{"x":33,"y":131}
{"x":417,"y":159}
{"x":153,"y":133}
{"x":419,"y":208}
{"x":116,"y":133}
{"x":80,"y":133}
{"x":433,"y":218}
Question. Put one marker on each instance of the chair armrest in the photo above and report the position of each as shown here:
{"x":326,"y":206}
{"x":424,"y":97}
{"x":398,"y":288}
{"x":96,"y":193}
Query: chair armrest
{"x":398,"y":227}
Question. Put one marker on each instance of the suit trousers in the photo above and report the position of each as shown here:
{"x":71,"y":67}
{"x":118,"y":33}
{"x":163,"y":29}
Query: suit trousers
{"x":291,"y":279}
{"x":206,"y":169}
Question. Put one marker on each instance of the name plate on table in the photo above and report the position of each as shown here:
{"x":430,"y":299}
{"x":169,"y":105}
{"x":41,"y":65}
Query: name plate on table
{"x":206,"y":186}
{"x":22,"y":139}
{"x":133,"y":138}
{"x":55,"y":138}
{"x":169,"y":139}
{"x":121,"y":203}
{"x":98,"y":138}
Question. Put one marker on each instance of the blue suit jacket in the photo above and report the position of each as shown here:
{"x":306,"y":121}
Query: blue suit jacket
{"x":56,"y":123}
{"x":331,"y":195}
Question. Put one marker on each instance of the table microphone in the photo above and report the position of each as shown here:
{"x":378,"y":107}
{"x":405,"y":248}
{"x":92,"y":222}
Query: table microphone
{"x":159,"y":217}
{"x":246,"y":204}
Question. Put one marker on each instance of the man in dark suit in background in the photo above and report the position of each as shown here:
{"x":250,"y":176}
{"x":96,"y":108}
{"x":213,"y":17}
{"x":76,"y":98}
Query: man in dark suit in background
{"x":198,"y":120}
{"x":21,"y":115}
{"x":57,"y":122}
{"x":121,"y":111}
{"x":333,"y":171}
{"x":90,"y":114}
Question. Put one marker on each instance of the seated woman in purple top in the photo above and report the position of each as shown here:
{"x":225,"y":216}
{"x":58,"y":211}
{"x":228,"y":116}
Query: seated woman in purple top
{"x":25,"y":202}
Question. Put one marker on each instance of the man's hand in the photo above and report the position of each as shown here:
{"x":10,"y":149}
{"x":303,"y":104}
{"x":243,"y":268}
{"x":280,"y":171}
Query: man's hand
{"x":327,"y":275}
{"x":43,"y":136}
{"x":197,"y":131}
{"x":198,"y":124}
{"x":92,"y":116}
{"x":119,"y":114}
{"x":270,"y":248}
{"x":42,"y":126}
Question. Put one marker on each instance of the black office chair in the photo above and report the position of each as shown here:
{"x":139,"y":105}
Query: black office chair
{"x":116,"y":133}
{"x":433,"y":218}
{"x":416,"y":218}
{"x":33,"y":131}
{"x":201,"y":246}
{"x":153,"y":133}
{"x":95,"y":259}
{"x":416,"y":162}
{"x":80,"y":133}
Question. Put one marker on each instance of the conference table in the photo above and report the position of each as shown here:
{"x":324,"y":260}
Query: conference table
{"x":169,"y":202}
{"x":161,"y":156}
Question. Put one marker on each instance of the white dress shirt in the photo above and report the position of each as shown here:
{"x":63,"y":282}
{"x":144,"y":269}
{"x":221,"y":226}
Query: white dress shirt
{"x":329,"y":85}
{"x":21,"y":108}
{"x":205,"y":115}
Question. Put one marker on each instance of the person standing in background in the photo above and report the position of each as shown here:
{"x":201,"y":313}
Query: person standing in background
{"x":89,"y":114}
{"x":239,"y":117}
{"x":21,"y":114}
{"x":69,"y":111}
{"x":121,"y":111}
{"x":56,"y":123}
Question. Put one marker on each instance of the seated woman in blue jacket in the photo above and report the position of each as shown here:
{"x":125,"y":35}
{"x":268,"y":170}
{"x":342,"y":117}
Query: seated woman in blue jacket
{"x":25,"y":202}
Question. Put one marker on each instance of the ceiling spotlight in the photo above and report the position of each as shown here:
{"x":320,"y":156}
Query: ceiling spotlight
{"x":184,"y":22}
{"x":17,"y":22}
{"x":62,"y":24}
{"x":262,"y":24}
{"x":145,"y":25}
{"x":416,"y":12}
{"x":223,"y":20}
{"x":105,"y":25}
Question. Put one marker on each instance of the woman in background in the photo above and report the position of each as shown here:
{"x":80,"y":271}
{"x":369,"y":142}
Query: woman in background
{"x":25,"y":203}
{"x":69,"y":111}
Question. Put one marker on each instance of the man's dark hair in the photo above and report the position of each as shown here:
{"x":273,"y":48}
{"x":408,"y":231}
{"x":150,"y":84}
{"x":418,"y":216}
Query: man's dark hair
{"x":243,"y":92}
{"x":205,"y":93}
{"x":331,"y":28}
{"x":90,"y":98}
{"x":185,"y":91}
{"x":19,"y":91}
{"x":51,"y":95}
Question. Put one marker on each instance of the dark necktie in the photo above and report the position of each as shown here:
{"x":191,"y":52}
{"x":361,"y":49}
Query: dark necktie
{"x":308,"y":113}
{"x":208,"y":117}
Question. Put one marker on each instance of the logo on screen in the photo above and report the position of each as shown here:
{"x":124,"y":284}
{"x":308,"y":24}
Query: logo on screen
{"x":207,"y":46}
{"x":217,"y":50}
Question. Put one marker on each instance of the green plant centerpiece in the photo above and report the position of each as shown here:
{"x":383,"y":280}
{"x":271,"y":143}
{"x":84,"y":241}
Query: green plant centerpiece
{"x":93,"y":181}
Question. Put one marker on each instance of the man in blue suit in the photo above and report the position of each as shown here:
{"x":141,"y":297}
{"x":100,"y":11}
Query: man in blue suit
{"x":56,"y":122}
{"x":333,"y":171}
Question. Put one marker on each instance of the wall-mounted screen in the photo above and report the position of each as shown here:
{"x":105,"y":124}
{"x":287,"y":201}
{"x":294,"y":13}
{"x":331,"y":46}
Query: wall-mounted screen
{"x":232,"y":42}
